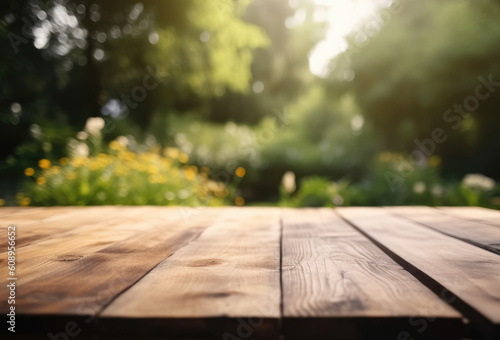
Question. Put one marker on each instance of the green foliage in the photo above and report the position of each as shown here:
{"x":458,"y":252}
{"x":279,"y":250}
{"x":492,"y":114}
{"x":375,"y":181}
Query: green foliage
{"x":47,"y":140}
{"x":98,"y":174}
{"x":313,"y":135}
{"x":220,"y":60}
{"x":423,"y":187}
{"x":321,"y":135}
{"x":424,"y":62}
{"x":122,"y":177}
{"x":314,"y":192}
{"x":228,"y":83}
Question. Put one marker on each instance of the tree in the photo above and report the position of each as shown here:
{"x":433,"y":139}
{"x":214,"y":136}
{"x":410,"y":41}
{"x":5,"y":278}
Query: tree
{"x":426,"y":60}
{"x":69,"y":60}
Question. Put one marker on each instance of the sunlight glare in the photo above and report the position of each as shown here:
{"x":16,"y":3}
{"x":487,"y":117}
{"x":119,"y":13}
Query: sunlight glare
{"x":342,"y":17}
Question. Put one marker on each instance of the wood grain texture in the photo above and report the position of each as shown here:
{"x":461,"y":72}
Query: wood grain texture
{"x":84,"y":286}
{"x":6,"y":211}
{"x":54,"y":253}
{"x":231,"y":271}
{"x":37,"y":224}
{"x":212,"y":273}
{"x":338,"y":284}
{"x":483,"y":215}
{"x":479,"y":234}
{"x":39,"y":213}
{"x":467,"y":275}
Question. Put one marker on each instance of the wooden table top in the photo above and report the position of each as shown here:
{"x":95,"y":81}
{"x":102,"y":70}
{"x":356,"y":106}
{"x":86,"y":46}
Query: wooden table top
{"x":252,"y":273}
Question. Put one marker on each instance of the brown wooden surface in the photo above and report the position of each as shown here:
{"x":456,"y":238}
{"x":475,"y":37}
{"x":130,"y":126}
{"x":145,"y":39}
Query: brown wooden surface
{"x":475,"y":232}
{"x":52,"y":254}
{"x":83,"y":286}
{"x":484,"y":215}
{"x":232,"y":270}
{"x":332,"y":272}
{"x":450,"y":267}
{"x":255,"y":273}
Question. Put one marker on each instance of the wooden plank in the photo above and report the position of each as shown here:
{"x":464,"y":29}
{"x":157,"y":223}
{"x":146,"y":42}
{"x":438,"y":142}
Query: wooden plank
{"x":6,"y":211}
{"x":230,"y":272}
{"x":34,"y":224}
{"x":40,"y":213}
{"x":53,"y":254}
{"x":479,"y":234}
{"x":338,"y":284}
{"x":467,"y":275}
{"x":483,"y":215}
{"x":83,"y":287}
{"x":33,"y":227}
{"x":29,"y":216}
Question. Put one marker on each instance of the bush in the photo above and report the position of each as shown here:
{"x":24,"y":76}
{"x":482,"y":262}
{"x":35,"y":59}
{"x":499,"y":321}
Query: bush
{"x":423,"y":186}
{"x":314,"y":192}
{"x":122,"y":177}
{"x":98,"y":174}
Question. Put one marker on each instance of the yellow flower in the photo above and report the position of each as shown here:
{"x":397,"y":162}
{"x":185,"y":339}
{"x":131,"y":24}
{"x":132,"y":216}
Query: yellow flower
{"x":114,"y":145}
{"x":434,"y":161}
{"x":25,"y":201}
{"x":183,"y":158}
{"x":78,"y":161}
{"x":44,"y":163}
{"x":152,"y":169}
{"x":29,"y":171}
{"x":2,"y":202}
{"x":215,"y":186}
{"x":63,"y":161}
{"x":239,"y":201}
{"x":172,"y":152}
{"x":240,"y":171}
{"x":96,"y":164}
{"x":190,"y":172}
{"x":41,"y":180}
{"x":56,"y":169}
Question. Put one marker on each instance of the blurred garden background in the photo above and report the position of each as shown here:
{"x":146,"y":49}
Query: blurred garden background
{"x":241,"y":102}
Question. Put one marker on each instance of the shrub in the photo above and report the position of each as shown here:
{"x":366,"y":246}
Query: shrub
{"x":122,"y":177}
{"x":98,"y":174}
{"x":423,"y":186}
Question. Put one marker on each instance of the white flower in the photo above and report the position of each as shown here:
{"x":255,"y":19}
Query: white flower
{"x":81,"y":150}
{"x":82,"y":135}
{"x":419,"y":187}
{"x":338,"y":200}
{"x":288,"y":182}
{"x":478,"y":181}
{"x":94,"y":126}
{"x":437,"y":190}
{"x":122,"y":140}
{"x":36,"y":131}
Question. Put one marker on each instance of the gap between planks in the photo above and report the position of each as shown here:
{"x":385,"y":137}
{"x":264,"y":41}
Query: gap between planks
{"x":55,"y":298}
{"x":478,"y":214}
{"x":230,"y":274}
{"x":338,"y":284}
{"x":445,"y":264}
{"x":474,"y":232}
